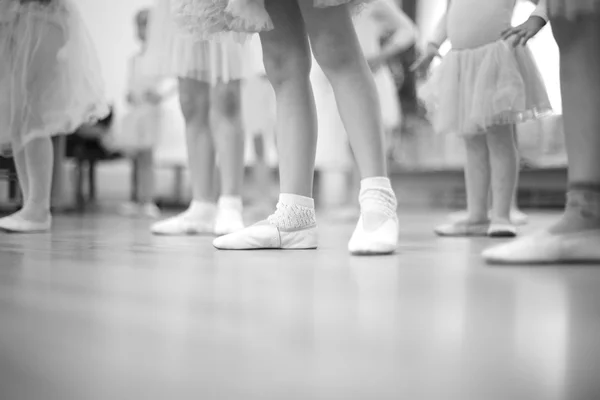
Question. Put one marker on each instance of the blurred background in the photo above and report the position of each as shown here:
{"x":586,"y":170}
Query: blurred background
{"x":426,"y":168}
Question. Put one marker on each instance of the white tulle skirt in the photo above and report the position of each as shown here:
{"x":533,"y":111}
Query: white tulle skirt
{"x":475,"y":89}
{"x":50,"y":80}
{"x":204,"y":19}
{"x":171,"y":53}
{"x":573,"y":8}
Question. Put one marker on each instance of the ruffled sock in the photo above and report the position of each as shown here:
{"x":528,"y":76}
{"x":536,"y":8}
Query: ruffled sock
{"x":294,"y":212}
{"x":378,"y":202}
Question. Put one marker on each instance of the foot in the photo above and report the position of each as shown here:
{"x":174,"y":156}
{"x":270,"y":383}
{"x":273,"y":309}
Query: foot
{"x":517,"y":217}
{"x":548,"y":248}
{"x":266,"y":236}
{"x":292,"y":227}
{"x":20,"y":222}
{"x":374,"y":241}
{"x":377,"y":230}
{"x":502,"y":229}
{"x":149,"y":210}
{"x":229,"y":216}
{"x":463,"y":229}
{"x":199,"y":219}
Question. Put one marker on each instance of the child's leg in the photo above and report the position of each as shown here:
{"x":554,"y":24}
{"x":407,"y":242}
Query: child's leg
{"x":199,"y":218}
{"x":39,"y":157}
{"x":287,"y":63}
{"x":21,"y":167}
{"x":229,"y":140}
{"x":504,"y":161}
{"x":576,"y":235}
{"x":337,"y":50}
{"x":580,"y":85}
{"x":477,"y":182}
{"x":146,"y":184}
{"x":145,"y":174}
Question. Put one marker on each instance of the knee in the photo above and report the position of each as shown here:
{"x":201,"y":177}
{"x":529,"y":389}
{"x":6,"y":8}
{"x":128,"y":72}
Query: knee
{"x":284,"y":64}
{"x":227,"y":99}
{"x":334,"y":54}
{"x":194,"y":104}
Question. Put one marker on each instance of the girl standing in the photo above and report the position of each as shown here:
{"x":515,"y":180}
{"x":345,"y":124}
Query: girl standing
{"x":485,"y":85}
{"x":50,"y":84}
{"x":150,"y":117}
{"x":286,"y":27}
{"x":210,"y":75}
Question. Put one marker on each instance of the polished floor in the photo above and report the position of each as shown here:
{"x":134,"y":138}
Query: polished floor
{"x":101,"y":310}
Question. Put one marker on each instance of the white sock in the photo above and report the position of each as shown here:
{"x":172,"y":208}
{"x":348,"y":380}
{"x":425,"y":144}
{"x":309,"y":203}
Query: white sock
{"x":377,"y":201}
{"x":231,"y":203}
{"x":294,"y":212}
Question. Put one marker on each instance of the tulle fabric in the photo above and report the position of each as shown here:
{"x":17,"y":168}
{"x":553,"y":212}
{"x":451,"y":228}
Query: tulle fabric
{"x":171,"y":53}
{"x":573,"y":8}
{"x":204,"y":19}
{"x":50,"y":81}
{"x":475,"y":89}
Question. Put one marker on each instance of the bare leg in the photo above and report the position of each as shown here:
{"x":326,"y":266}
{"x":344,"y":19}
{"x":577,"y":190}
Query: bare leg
{"x":228,"y":137}
{"x":477,"y":178}
{"x":39,"y":161}
{"x":195,"y":105}
{"x":337,"y":50}
{"x":504,"y":170}
{"x":145,"y":174}
{"x":21,"y":166}
{"x":287,"y":62}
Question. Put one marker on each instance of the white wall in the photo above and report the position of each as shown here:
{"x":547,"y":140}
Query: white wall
{"x":110,"y":23}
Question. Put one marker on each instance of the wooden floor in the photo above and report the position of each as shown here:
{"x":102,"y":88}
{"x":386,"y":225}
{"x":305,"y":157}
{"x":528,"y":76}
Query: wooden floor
{"x":102,"y":310}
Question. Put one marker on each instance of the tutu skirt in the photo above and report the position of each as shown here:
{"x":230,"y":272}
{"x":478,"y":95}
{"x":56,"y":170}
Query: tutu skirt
{"x":573,"y":8}
{"x":475,"y":89}
{"x":171,"y":53}
{"x":50,"y":81}
{"x":203,"y":19}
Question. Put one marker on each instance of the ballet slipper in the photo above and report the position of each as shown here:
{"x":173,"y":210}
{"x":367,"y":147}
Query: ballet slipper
{"x":502,"y":229}
{"x":16,"y":224}
{"x":184,"y":225}
{"x":380,"y":241}
{"x":462,"y":229}
{"x":266,"y":236}
{"x":548,"y":248}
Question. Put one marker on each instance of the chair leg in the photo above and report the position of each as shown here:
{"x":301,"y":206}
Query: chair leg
{"x":92,"y":180}
{"x":79,"y":190}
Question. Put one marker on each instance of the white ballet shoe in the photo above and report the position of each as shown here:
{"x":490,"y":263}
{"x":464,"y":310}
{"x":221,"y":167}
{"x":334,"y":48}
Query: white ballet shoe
{"x":462,"y":229}
{"x":150,"y":210}
{"x":184,"y":225}
{"x":16,"y":224}
{"x":502,"y":230}
{"x":381,"y":241}
{"x":547,"y":248}
{"x":266,"y":236}
{"x":228,"y":220}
